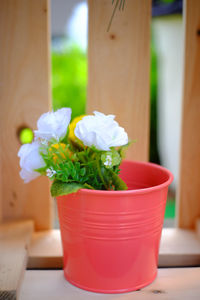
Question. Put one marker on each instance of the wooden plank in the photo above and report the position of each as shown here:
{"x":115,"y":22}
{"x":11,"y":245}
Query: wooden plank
{"x":170,"y":284}
{"x":198,"y":227}
{"x":1,"y":196}
{"x":24,"y":95}
{"x":14,"y":239}
{"x":178,"y":248}
{"x":45,"y":250}
{"x":118,"y":68}
{"x":188,"y":208}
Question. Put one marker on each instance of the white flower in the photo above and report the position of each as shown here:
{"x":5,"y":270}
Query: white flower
{"x":53,"y":124}
{"x":30,"y":159}
{"x":50,"y":172}
{"x":108,"y":161}
{"x":101,"y":131}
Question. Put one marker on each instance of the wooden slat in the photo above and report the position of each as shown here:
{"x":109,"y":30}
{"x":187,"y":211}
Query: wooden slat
{"x":198,"y":228}
{"x":45,"y":250}
{"x":1,"y":196}
{"x":189,"y":193}
{"x":178,"y":248}
{"x":14,"y":239}
{"x":118,"y":68}
{"x":172,"y":284}
{"x":24,"y":95}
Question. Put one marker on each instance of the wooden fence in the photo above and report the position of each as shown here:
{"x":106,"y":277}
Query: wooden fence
{"x":118,"y":83}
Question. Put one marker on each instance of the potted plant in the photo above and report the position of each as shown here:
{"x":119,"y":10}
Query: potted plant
{"x":111,"y":212}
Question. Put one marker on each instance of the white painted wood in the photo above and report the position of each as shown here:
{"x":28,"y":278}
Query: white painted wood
{"x":170,"y":284}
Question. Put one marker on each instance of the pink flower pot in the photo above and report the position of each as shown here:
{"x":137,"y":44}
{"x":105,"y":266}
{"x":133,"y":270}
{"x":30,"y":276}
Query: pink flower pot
{"x":111,"y":238}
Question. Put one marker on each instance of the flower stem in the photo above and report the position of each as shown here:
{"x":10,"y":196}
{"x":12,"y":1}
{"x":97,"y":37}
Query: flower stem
{"x":100,"y":173}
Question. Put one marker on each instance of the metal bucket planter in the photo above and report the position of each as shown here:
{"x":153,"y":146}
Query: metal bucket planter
{"x":111,"y":238}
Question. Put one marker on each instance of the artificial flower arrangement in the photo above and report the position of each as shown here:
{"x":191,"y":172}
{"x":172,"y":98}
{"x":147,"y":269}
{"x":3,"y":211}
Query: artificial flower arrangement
{"x":85,"y":153}
{"x":110,"y":239}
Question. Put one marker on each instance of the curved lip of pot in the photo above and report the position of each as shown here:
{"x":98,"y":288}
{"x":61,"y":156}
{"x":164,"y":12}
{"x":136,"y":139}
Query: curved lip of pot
{"x":135,"y":191}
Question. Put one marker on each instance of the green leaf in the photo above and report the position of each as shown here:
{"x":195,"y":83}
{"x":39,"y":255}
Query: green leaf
{"x":122,"y":149}
{"x":89,"y":187}
{"x":59,"y":188}
{"x":116,"y":159}
{"x":111,"y":158}
{"x":118,"y":182}
{"x":42,"y":170}
{"x":83,"y":172}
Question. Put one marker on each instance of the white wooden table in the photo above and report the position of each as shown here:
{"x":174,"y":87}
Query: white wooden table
{"x":170,"y":284}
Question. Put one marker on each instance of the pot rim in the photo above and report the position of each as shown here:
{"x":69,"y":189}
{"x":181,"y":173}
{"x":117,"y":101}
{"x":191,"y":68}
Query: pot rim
{"x":135,"y":191}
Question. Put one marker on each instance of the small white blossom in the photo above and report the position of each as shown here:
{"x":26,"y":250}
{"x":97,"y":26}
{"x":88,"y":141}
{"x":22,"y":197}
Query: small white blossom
{"x":53,"y":124}
{"x":50,"y":172}
{"x":100,"y":131}
{"x":108,"y":161}
{"x":30,"y":160}
{"x":44,"y":142}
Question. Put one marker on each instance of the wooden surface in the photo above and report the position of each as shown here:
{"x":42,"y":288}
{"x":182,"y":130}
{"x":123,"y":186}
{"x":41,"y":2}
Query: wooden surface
{"x":188,"y":208}
{"x":118,"y":68}
{"x":45,"y":250}
{"x":14,"y":239}
{"x":24,"y":95}
{"x":170,"y":284}
{"x":178,"y":248}
{"x":198,"y":228}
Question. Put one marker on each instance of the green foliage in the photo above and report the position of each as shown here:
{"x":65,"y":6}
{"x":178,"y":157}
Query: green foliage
{"x":111,"y":158}
{"x":59,"y":188}
{"x":69,"y":78}
{"x":80,"y":168}
{"x":117,"y":181}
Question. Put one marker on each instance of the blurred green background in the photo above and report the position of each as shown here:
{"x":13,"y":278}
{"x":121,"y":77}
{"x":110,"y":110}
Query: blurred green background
{"x":69,"y":79}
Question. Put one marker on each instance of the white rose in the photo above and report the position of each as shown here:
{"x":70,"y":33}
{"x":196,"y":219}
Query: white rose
{"x":30,"y":160}
{"x":100,"y":131}
{"x":53,"y":124}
